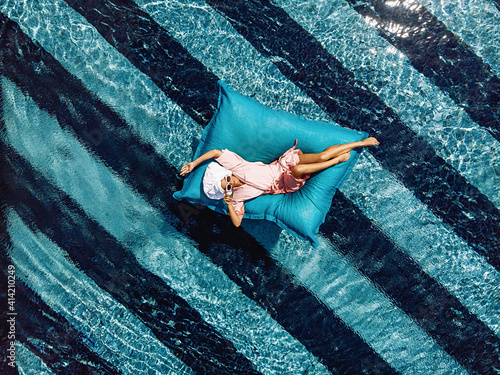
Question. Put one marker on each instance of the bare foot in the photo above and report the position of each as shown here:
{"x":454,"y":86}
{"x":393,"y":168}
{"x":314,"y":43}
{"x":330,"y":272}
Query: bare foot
{"x":372,"y":141}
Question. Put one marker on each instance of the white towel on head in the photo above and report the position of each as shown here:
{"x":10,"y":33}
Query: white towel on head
{"x":212,"y":180}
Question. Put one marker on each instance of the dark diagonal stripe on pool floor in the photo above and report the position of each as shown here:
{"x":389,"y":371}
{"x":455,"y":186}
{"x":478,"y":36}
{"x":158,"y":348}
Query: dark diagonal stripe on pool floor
{"x":51,"y":337}
{"x":304,"y":61}
{"x":43,"y":331}
{"x":217,"y":250}
{"x":454,"y":328}
{"x":438,"y":54}
{"x":78,"y":110}
{"x":155,"y":53}
{"x":116,"y":271}
{"x":497,"y":4}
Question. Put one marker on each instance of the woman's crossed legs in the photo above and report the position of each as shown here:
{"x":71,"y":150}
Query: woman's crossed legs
{"x":310,"y":163}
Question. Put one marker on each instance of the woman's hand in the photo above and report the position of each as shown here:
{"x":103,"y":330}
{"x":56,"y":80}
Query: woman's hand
{"x":228,"y":198}
{"x":187,"y":168}
{"x":235,"y":219}
{"x":207,"y":155}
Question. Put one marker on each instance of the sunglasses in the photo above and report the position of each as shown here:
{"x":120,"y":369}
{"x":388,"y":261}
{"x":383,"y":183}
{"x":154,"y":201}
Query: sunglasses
{"x":229,"y":186}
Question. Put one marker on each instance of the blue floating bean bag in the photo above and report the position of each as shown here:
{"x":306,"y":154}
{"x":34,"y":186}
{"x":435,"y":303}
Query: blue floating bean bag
{"x":258,"y":133}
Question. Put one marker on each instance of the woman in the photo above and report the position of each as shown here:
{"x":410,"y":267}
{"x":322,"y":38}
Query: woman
{"x":236,"y":180}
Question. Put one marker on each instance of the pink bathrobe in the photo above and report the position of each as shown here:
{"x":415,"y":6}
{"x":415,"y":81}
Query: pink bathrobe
{"x":260,"y":178}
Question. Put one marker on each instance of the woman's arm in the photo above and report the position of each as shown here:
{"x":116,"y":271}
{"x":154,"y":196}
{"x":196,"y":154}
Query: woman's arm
{"x":207,"y":155}
{"x":232,"y":213}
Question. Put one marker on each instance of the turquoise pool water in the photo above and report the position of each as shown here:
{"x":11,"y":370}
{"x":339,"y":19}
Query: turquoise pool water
{"x":103,"y":101}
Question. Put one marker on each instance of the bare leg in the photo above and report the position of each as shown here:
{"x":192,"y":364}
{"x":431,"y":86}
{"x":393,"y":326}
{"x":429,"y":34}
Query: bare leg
{"x":302,"y":169}
{"x":334,"y":151}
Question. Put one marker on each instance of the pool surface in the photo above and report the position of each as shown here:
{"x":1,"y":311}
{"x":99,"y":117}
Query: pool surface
{"x":103,"y":101}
